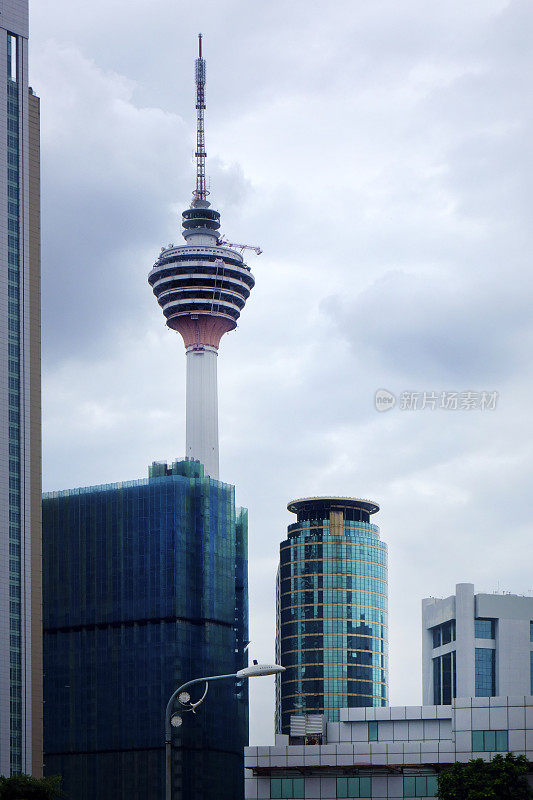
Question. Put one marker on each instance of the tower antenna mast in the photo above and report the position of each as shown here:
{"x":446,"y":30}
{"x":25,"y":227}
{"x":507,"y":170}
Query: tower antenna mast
{"x":201,"y":191}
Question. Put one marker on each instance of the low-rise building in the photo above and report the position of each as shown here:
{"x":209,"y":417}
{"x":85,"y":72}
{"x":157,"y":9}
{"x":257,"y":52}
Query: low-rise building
{"x":386,"y":753}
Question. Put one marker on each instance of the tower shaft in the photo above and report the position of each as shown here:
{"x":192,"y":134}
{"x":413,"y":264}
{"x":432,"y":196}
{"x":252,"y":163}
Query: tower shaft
{"x":202,"y":408}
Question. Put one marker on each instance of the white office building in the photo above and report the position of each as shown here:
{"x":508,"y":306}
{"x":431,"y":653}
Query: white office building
{"x":477,"y":690}
{"x":386,"y":753}
{"x":476,"y":645}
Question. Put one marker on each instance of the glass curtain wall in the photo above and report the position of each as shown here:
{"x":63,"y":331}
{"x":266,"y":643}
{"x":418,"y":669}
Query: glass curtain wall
{"x":332,"y":610}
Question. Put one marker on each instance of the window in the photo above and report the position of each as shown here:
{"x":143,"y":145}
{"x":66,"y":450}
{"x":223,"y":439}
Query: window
{"x":372,"y":731}
{"x":420,"y":786}
{"x":287,"y":787}
{"x":531,"y":631}
{"x":11,"y":57}
{"x":485,"y":628}
{"x":485,"y":672}
{"x":444,"y":679}
{"x":443,"y":634}
{"x":531,"y":670}
{"x":447,"y":679}
{"x":436,"y":682}
{"x":448,"y":631}
{"x":354,"y":787}
{"x":489,"y":741}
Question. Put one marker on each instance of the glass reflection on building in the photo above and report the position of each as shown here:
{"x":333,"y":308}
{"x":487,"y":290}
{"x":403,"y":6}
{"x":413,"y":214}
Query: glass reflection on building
{"x":331,"y":630}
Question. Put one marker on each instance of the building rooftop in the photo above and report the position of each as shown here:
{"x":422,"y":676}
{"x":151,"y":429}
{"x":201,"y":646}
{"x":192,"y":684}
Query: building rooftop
{"x":333,"y":502}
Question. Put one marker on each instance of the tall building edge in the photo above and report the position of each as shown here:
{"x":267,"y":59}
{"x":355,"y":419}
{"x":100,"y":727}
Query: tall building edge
{"x":34,"y":187}
{"x":20,"y":434}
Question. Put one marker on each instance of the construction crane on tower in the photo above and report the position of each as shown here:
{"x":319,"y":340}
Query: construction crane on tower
{"x":223,"y":241}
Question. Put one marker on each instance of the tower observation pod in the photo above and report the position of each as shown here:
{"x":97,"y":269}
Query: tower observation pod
{"x":202,"y":287}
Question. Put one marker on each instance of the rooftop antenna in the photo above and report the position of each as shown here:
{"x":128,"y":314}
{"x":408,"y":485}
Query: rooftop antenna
{"x":201,"y":191}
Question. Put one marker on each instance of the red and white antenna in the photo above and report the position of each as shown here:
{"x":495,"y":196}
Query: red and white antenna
{"x":201,"y":191}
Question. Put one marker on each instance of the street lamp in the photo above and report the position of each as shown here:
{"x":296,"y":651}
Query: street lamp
{"x":174,"y":720}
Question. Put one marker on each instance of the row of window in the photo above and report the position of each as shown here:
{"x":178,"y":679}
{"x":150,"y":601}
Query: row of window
{"x":336,"y":547}
{"x":355,"y":787}
{"x":335,"y":580}
{"x":420,"y":786}
{"x":311,"y":609}
{"x":490,"y":741}
{"x":340,"y":625}
{"x":484,"y":628}
{"x":443,"y":634}
{"x":373,"y":595}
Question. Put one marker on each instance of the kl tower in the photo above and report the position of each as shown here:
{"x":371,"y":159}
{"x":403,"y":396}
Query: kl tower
{"x":202,"y":287}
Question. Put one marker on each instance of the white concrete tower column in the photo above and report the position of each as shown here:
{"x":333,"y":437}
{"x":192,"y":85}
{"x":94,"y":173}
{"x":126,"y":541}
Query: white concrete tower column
{"x":202,"y":408}
{"x":465,"y":613}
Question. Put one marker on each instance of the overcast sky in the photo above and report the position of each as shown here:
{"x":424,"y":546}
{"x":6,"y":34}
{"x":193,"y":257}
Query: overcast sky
{"x":380,"y":154}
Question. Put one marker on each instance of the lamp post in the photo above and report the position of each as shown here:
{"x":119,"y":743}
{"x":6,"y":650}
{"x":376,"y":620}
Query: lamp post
{"x":255,"y":671}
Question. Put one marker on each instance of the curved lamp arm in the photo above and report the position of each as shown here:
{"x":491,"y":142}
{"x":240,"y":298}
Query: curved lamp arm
{"x":254,"y":671}
{"x":168,"y":713}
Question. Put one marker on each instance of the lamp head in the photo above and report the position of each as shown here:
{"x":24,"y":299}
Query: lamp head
{"x":257,"y":670}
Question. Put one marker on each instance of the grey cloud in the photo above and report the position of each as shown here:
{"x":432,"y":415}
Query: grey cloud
{"x":379,"y":155}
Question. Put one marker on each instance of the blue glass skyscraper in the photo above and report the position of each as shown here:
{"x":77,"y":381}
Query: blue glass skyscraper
{"x":145,"y":586}
{"x":331,"y":633}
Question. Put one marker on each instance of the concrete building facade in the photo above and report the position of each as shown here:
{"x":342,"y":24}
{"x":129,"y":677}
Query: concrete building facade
{"x":476,"y":645}
{"x":20,"y":405}
{"x":384,"y":753}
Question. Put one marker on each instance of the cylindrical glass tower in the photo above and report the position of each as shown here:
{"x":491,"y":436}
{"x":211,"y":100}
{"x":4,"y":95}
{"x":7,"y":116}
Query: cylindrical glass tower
{"x":331,"y":630}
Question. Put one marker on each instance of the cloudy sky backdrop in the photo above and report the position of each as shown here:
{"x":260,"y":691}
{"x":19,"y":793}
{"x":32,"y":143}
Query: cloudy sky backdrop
{"x":380,"y":154}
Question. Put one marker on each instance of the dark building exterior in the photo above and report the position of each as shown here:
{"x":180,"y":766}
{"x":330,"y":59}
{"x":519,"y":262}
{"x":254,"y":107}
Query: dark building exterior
{"x":331,"y":632}
{"x":145,"y":587}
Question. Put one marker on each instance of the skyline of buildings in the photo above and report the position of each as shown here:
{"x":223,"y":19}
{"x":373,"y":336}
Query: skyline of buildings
{"x":146,"y":582}
{"x":20,"y":405}
{"x":331,"y":610}
{"x":303,"y":367}
{"x":478,"y":710}
{"x":220,"y":288}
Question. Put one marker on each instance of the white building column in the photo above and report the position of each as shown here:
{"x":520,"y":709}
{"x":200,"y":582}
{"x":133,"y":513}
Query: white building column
{"x":202,"y":407}
{"x":465,"y":612}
